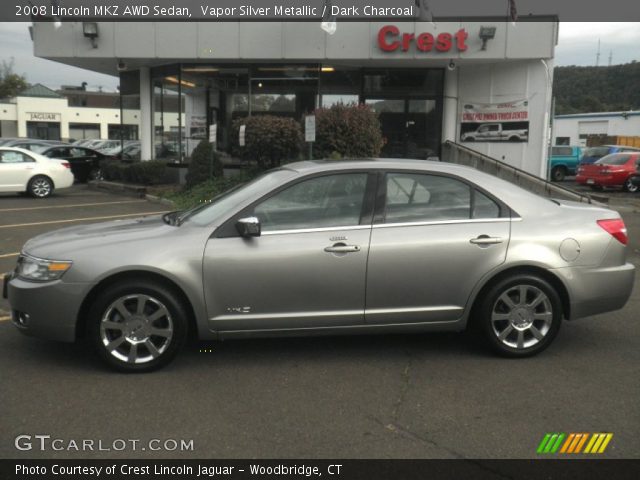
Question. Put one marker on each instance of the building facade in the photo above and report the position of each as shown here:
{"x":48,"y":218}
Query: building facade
{"x":576,"y":129}
{"x":45,"y":114}
{"x":484,"y":83}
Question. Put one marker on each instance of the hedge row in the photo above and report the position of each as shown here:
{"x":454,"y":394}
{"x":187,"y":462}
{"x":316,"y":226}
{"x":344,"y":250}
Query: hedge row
{"x":146,"y":173}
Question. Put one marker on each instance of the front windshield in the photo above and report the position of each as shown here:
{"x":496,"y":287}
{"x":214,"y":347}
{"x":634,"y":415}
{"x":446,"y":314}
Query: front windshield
{"x":207,"y":213}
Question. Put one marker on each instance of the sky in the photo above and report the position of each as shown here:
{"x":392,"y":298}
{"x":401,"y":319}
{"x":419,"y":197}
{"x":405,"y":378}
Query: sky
{"x":578,"y":45}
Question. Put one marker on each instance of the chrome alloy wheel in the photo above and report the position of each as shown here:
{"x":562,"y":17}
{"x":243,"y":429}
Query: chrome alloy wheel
{"x":136,"y":328}
{"x":41,"y":187}
{"x":522,"y":316}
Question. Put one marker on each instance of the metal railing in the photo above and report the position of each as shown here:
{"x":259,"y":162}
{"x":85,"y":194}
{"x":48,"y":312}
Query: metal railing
{"x":455,"y":153}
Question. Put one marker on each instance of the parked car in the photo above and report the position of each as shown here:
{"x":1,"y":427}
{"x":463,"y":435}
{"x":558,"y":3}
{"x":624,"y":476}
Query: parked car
{"x":328,"y":248}
{"x":495,"y":132}
{"x":592,"y":154}
{"x":25,"y":171}
{"x":615,"y":170}
{"x":86,"y":164}
{"x":564,"y":161}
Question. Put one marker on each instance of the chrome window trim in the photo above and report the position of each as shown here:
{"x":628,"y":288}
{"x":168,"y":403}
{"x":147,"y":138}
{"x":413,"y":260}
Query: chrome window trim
{"x":314,"y":230}
{"x":443,"y":222}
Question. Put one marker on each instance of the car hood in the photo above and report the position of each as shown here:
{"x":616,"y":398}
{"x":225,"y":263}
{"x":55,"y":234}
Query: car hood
{"x":61,"y":244}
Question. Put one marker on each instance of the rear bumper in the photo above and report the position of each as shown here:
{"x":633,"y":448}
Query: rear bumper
{"x":602,"y":180}
{"x":46,"y":310}
{"x":597,"y":290}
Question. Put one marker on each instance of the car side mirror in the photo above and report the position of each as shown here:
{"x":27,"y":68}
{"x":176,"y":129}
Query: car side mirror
{"x":249,"y":227}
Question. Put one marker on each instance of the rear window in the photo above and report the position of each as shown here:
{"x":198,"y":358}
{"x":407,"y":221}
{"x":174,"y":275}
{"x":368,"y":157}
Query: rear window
{"x":615,"y":159}
{"x":596,"y":152}
{"x":561,"y":151}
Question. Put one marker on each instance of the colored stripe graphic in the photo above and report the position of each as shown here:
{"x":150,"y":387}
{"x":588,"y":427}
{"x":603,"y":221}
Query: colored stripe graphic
{"x":598,"y":442}
{"x":550,"y":443}
{"x":573,"y":443}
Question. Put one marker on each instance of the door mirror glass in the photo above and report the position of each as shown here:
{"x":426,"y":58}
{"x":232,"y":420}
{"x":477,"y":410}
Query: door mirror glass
{"x":248,"y":227}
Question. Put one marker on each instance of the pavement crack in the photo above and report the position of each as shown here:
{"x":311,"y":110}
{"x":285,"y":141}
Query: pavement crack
{"x":404,"y":388}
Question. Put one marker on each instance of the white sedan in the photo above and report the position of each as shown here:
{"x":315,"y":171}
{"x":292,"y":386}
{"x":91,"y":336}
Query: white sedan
{"x":25,"y":171}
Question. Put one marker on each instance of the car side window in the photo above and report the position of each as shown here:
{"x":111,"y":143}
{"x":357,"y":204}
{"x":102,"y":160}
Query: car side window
{"x":423,"y":198}
{"x":484,"y":207}
{"x":58,"y":152}
{"x":14,"y":157}
{"x":327,"y":201}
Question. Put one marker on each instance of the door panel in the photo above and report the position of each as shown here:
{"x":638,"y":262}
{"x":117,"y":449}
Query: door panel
{"x":15,"y":170}
{"x":435,"y":237}
{"x":307,"y":269}
{"x":425,"y":273}
{"x":286,"y":280}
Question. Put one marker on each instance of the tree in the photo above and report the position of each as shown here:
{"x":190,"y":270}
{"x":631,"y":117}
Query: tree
{"x":11,"y":84}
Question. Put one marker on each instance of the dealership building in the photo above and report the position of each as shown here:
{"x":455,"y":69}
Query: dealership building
{"x":484,"y":83}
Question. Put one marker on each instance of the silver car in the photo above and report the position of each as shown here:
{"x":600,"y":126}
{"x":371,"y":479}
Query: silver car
{"x":370,"y":246}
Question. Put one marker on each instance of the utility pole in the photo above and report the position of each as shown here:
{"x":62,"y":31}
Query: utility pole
{"x":598,"y":55}
{"x":610,"y":57}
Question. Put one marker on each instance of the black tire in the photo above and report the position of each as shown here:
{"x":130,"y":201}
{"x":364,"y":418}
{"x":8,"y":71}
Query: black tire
{"x":40,"y":186}
{"x":544,"y":318}
{"x":137,"y":328}
{"x":514,"y":138}
{"x":629,"y":186}
{"x":558,"y":174}
{"x":96,"y":174}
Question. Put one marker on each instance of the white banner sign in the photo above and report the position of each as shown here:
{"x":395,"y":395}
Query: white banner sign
{"x":495,"y":122}
{"x":213,"y":133}
{"x":310,"y":128}
{"x":241,"y":139}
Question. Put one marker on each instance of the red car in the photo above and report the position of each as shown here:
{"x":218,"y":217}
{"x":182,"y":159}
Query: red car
{"x":614,"y":170}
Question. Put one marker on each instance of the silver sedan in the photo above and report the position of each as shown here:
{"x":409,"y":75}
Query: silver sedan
{"x":370,"y":246}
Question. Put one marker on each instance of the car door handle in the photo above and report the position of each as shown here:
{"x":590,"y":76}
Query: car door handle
{"x":342,"y":248}
{"x":486,"y":240}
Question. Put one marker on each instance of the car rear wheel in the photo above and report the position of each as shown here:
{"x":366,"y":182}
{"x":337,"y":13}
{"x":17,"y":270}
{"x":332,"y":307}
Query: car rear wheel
{"x":520,"y":315}
{"x":40,"y":187}
{"x":137,"y":326}
{"x":558,"y":174}
{"x":629,"y":186}
{"x":96,"y":174}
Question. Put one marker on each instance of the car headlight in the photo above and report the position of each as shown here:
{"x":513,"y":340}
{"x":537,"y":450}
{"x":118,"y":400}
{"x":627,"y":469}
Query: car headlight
{"x":41,"y":270}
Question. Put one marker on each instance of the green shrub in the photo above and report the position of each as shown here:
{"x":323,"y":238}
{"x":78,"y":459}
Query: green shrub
{"x":114,"y":171}
{"x":146,"y":173}
{"x":200,"y":166}
{"x":269,"y":140}
{"x":347,"y":131}
{"x":202,"y":192}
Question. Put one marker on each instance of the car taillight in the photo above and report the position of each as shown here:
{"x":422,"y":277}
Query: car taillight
{"x":616,"y":228}
{"x":66,"y":164}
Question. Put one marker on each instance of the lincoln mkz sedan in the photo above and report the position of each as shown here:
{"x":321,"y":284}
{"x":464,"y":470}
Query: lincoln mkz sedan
{"x":369,"y":246}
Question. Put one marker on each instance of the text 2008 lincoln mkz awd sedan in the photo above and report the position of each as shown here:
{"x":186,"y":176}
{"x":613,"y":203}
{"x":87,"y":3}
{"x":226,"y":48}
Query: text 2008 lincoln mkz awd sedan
{"x":370,"y":246}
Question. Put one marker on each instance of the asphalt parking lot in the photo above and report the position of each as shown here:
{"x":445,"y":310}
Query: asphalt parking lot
{"x":404,"y":396}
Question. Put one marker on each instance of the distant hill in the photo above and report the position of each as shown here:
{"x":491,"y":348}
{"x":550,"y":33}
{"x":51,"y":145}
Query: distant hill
{"x":597,"y":89}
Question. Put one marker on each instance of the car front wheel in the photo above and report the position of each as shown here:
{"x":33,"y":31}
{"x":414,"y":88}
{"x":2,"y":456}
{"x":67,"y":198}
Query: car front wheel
{"x":137,"y":326}
{"x":558,"y":174}
{"x":520,"y":315}
{"x":40,"y":187}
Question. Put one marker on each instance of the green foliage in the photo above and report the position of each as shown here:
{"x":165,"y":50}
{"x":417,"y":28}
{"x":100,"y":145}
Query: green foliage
{"x":208,"y":189}
{"x":347,"y":131}
{"x":11,"y":84}
{"x":144,"y":173}
{"x":200,"y":167}
{"x":269,"y":140}
{"x":597,"y":89}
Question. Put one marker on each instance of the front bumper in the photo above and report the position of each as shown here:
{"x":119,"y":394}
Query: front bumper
{"x":46,"y":310}
{"x":597,"y":290}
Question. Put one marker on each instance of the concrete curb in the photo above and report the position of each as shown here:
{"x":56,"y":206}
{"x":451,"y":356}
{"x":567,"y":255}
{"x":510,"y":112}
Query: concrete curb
{"x":139,"y":191}
{"x":121,"y":188}
{"x":162,"y":201}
